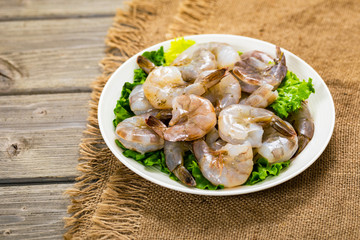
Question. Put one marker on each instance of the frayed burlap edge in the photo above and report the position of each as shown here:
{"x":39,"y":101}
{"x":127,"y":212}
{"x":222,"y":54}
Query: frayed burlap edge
{"x":92,"y":195}
{"x":192,"y":14}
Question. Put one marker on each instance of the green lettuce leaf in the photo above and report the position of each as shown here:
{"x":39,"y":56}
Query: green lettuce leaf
{"x":157,"y":57}
{"x":139,"y":76}
{"x":262,"y":169}
{"x":148,"y":159}
{"x":292,"y":92}
{"x":177,"y":46}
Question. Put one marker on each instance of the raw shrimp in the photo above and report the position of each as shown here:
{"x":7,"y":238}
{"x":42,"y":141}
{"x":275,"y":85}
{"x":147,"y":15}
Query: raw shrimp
{"x":257,"y":68}
{"x":202,"y":60}
{"x":226,"y":55}
{"x":165,"y":83}
{"x":138,"y":102}
{"x":134,"y":134}
{"x":230,"y":166}
{"x":174,"y":153}
{"x":162,"y":85}
{"x":225,"y":93}
{"x":304,"y":126}
{"x":277,"y":147}
{"x":261,"y":97}
{"x":192,"y":118}
{"x":239,"y":123}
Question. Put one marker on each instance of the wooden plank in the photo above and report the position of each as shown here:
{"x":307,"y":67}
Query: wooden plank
{"x":54,"y":55}
{"x":23,"y":36}
{"x":40,"y":136}
{"x":56,"y":70}
{"x":19,"y":9}
{"x":33,"y":212}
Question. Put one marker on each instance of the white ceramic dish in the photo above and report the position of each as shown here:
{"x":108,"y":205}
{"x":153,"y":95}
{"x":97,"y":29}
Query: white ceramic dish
{"x":321,"y":106}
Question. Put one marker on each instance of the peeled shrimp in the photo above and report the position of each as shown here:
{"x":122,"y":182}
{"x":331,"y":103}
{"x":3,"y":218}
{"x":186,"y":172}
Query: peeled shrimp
{"x":192,"y":118}
{"x":277,"y":147}
{"x":226,"y":55}
{"x":239,"y":123}
{"x":230,"y":166}
{"x":257,"y":68}
{"x":225,"y":93}
{"x":134,"y":134}
{"x":202,"y":60}
{"x":163,"y":84}
{"x":261,"y":97}
{"x":174,"y":152}
{"x":138,"y":102}
{"x":304,"y":126}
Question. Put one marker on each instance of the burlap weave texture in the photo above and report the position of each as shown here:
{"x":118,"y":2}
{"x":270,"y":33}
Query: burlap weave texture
{"x":321,"y":203}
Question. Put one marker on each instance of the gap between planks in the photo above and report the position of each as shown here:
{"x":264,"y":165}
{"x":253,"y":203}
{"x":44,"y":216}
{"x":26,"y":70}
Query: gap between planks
{"x":35,"y":181}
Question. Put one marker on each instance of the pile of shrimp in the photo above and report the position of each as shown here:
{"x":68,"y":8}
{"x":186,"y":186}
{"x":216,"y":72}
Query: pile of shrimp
{"x":216,"y":102}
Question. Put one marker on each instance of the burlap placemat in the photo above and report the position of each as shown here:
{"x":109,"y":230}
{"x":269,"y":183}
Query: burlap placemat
{"x":109,"y":201}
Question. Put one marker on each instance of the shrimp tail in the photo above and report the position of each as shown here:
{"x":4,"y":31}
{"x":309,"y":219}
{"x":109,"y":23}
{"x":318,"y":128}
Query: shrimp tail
{"x":279,"y":125}
{"x":155,"y":124}
{"x":280,"y":56}
{"x":214,"y":77}
{"x":302,"y":142}
{"x":244,"y":79}
{"x":280,"y":68}
{"x":202,"y":84}
{"x":184,"y":176}
{"x":145,"y":64}
{"x":174,"y":153}
{"x":303,"y":125}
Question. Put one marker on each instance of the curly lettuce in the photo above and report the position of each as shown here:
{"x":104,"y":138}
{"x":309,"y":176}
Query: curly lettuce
{"x":157,"y":57}
{"x":292,"y":92}
{"x":263,"y":169}
{"x":177,"y":46}
{"x":146,"y":159}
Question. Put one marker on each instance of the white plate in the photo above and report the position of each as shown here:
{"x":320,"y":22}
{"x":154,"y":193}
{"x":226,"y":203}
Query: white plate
{"x":321,"y":106}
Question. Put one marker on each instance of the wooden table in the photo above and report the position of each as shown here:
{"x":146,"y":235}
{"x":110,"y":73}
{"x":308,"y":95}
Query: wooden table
{"x":49,"y":54}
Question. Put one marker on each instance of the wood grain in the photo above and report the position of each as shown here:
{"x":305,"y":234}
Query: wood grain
{"x":25,"y":36}
{"x":39,"y":136}
{"x":51,"y":55}
{"x":33,"y":212}
{"x":52,"y":71}
{"x":19,"y":9}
